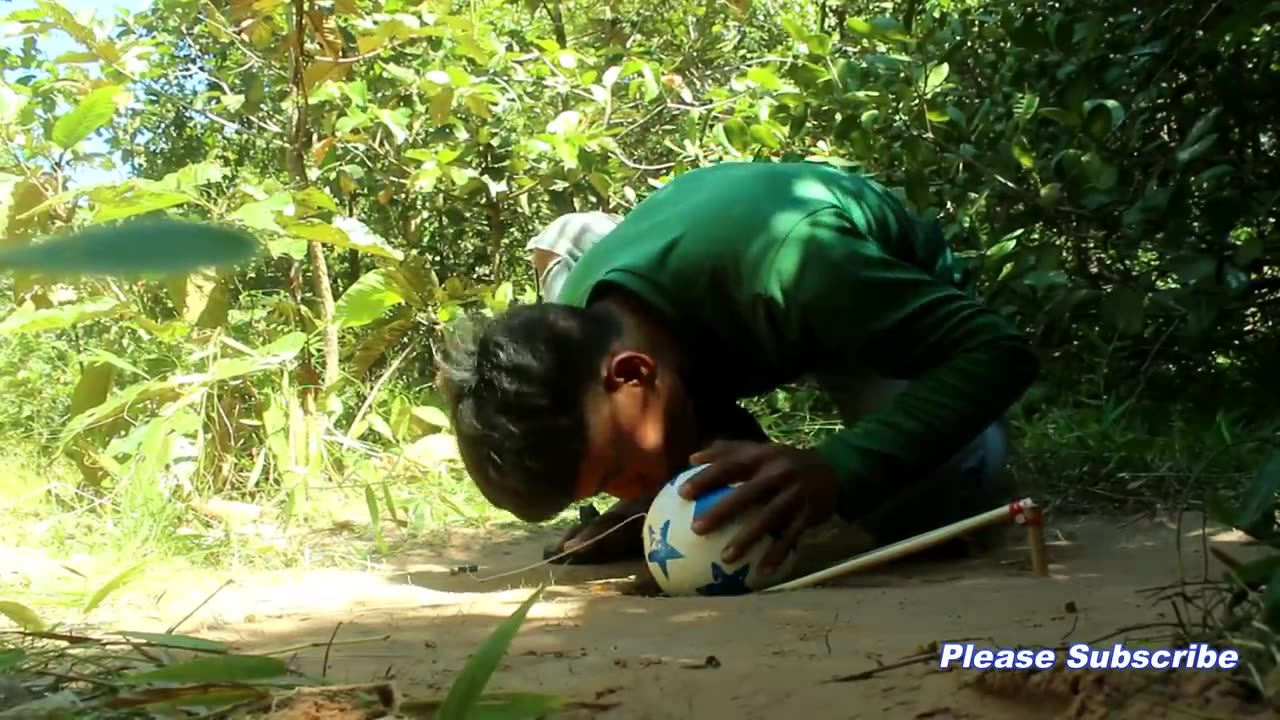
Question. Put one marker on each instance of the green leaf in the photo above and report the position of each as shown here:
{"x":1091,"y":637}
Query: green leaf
{"x":28,"y":318}
{"x":1101,"y":117}
{"x":177,"y":642}
{"x":765,"y":136}
{"x":1051,"y":195}
{"x":375,"y":518}
{"x":11,"y":658}
{"x":795,"y":29}
{"x":431,"y":416}
{"x":395,"y":121}
{"x":282,"y":349}
{"x":367,"y":299}
{"x":1025,"y":107}
{"x":221,"y":699}
{"x":1257,"y":511}
{"x":820,"y":44}
{"x":1001,"y":249}
{"x":22,"y":616}
{"x":1022,"y":153}
{"x":1257,"y":572}
{"x":764,"y":77}
{"x":500,"y":298}
{"x":344,"y":232}
{"x":148,"y":246}
{"x":1102,"y":174}
{"x":391,"y":504}
{"x":601,"y":183}
{"x":891,"y":29}
{"x":1060,"y":116}
{"x":192,"y":176}
{"x":859,"y":26}
{"x":1187,"y":155}
{"x":882,"y":28}
{"x":317,"y":230}
{"x":261,"y":214}
{"x":441,"y":106}
{"x":137,"y":203}
{"x":224,"y":669}
{"x":123,"y":578}
{"x":935,"y":78}
{"x":1201,"y":129}
{"x":1271,"y":603}
{"x":468,"y":688}
{"x":1209,"y":178}
{"x":313,"y":201}
{"x":95,"y":110}
{"x":163,"y":389}
{"x":268,"y":357}
{"x":737,"y":134}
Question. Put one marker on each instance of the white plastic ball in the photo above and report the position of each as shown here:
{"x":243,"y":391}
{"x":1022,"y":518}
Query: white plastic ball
{"x":685,"y":563}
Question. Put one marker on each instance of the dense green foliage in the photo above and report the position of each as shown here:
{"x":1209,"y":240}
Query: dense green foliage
{"x":1109,"y":170}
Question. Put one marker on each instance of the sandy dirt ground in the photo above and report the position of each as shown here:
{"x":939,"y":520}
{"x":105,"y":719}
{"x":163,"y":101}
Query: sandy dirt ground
{"x":770,"y":655}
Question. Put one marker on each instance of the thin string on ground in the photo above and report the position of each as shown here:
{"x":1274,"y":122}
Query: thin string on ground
{"x":547,"y":561}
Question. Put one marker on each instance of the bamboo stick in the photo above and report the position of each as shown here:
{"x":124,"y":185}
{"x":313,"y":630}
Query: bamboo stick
{"x":1023,"y":512}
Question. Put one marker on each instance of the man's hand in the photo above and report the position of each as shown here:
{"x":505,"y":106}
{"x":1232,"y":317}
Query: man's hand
{"x":797,"y":489}
{"x":625,"y":543}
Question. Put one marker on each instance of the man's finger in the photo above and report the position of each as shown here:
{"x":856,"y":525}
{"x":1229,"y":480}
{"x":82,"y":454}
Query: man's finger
{"x":732,"y":466}
{"x":571,"y":533}
{"x":586,"y":531}
{"x":750,"y":493}
{"x":718,"y":450}
{"x":711,"y":477}
{"x":563,"y":545}
{"x":781,"y":547}
{"x":772,"y":516}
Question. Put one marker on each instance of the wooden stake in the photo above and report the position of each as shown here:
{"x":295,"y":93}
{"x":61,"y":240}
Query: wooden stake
{"x":1023,"y":512}
{"x":1034,"y":520}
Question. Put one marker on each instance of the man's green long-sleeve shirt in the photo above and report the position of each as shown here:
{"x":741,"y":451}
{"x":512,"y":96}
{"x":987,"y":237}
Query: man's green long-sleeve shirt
{"x":767,"y":272}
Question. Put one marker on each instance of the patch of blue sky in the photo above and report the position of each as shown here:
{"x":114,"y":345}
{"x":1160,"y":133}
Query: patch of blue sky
{"x":55,"y":44}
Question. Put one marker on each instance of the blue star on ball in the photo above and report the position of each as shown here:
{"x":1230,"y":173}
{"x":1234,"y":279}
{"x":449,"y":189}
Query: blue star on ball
{"x":724,"y":582}
{"x":662,"y":551}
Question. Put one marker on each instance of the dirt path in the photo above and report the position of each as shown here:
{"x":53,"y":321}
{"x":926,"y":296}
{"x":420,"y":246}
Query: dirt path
{"x":774,"y":652}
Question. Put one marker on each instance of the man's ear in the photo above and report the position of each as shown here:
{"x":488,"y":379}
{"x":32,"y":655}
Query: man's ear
{"x":630,"y":368}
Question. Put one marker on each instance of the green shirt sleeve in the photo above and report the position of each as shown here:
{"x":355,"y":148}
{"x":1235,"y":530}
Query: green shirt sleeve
{"x":842,"y":296}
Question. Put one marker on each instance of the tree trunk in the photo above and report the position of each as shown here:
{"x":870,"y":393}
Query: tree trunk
{"x":496,"y":233}
{"x":297,"y":162}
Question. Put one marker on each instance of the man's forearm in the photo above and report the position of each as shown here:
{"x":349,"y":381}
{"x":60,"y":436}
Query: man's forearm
{"x":927,"y":422}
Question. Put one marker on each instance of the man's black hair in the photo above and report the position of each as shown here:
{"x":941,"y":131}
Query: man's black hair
{"x":516,"y":389}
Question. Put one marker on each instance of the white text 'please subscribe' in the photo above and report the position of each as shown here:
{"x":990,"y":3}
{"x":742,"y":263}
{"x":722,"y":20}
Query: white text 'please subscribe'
{"x":1196,"y":656}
